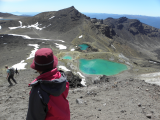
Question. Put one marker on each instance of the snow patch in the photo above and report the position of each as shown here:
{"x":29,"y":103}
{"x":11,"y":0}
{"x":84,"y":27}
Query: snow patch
{"x":123,"y":57}
{"x":153,"y":62}
{"x":36,"y":46}
{"x":59,"y":40}
{"x":72,"y":49}
{"x":153,"y":78}
{"x":0,"y":27}
{"x":63,"y":68}
{"x":24,"y":36}
{"x":35,"y":26}
{"x":126,"y":60}
{"x":81,"y":36}
{"x":60,"y":46}
{"x":49,"y":25}
{"x":113,"y":46}
{"x":83,"y":82}
{"x":27,"y":37}
{"x":20,"y":66}
{"x":51,"y":17}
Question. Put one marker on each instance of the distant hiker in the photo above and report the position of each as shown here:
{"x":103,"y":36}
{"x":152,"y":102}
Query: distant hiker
{"x":48,"y":96}
{"x":16,"y":71}
{"x":10,"y":75}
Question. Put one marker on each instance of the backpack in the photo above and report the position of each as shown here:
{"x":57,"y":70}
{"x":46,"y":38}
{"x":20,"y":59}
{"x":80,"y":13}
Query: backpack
{"x":11,"y":70}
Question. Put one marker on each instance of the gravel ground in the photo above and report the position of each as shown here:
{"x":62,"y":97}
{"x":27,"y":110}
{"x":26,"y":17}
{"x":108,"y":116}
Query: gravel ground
{"x":120,"y":97}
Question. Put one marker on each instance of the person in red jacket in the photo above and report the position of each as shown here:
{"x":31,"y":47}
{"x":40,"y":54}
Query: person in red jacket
{"x":49,"y":91}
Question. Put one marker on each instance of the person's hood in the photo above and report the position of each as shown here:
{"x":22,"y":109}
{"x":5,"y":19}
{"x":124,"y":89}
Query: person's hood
{"x":52,"y":82}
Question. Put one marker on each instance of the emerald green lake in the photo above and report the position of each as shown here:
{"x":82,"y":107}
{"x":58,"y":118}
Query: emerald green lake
{"x":67,"y":57}
{"x":101,"y":67}
{"x":83,"y":46}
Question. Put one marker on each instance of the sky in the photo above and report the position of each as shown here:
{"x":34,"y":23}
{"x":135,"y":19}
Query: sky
{"x":131,"y":7}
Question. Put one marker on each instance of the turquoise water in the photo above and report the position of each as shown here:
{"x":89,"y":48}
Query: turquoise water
{"x":101,"y":67}
{"x":67,"y":57}
{"x":83,"y":46}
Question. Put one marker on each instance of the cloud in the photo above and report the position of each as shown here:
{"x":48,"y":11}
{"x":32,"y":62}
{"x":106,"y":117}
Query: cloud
{"x":11,"y":0}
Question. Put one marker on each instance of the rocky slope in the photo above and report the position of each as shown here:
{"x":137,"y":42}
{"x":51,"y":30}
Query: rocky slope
{"x":112,"y":98}
{"x":130,"y":32}
{"x":9,"y":16}
{"x":2,"y":15}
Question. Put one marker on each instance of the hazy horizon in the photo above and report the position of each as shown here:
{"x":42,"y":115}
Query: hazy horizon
{"x":127,"y":7}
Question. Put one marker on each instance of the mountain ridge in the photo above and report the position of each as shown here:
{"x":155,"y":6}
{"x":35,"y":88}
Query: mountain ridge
{"x":149,"y":20}
{"x":129,"y":37}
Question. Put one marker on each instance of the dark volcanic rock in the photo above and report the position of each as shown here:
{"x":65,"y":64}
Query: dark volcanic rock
{"x":110,"y":22}
{"x":94,"y":20}
{"x":120,"y":26}
{"x":122,"y":19}
{"x":134,"y":34}
{"x":104,"y":29}
{"x":133,"y":26}
{"x":74,"y":81}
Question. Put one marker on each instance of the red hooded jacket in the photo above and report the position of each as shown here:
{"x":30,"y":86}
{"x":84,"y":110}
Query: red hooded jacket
{"x":48,"y":97}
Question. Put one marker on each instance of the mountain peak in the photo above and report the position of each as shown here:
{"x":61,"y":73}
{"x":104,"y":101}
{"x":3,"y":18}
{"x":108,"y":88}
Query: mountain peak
{"x":122,"y":19}
{"x":69,"y":9}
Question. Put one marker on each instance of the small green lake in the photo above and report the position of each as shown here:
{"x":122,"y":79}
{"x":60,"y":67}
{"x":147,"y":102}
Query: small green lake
{"x":101,"y":67}
{"x":67,"y":57}
{"x":83,"y":46}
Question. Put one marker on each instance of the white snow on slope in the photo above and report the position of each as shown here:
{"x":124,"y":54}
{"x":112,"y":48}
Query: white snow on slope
{"x":49,"y":25}
{"x":21,"y":65}
{"x":24,"y":36}
{"x":35,"y":26}
{"x":81,"y":36}
{"x":81,"y":76}
{"x":153,"y":78}
{"x":27,"y":37}
{"x":72,"y":49}
{"x":51,"y":17}
{"x":83,"y":82}
{"x":113,"y":46}
{"x":11,"y":28}
{"x":36,"y":46}
{"x":60,"y":46}
{"x":0,"y":27}
{"x":63,"y":68}
{"x":123,"y":57}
